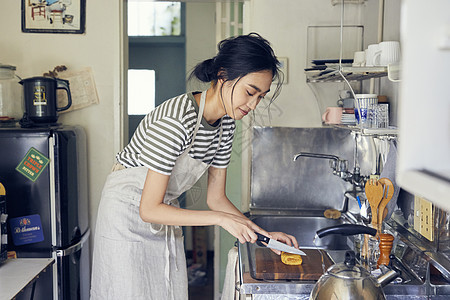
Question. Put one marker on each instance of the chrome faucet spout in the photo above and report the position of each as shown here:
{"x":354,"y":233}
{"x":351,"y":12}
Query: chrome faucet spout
{"x":339,"y":166}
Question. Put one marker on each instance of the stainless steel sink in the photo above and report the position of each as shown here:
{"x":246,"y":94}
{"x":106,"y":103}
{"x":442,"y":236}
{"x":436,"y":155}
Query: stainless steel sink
{"x":304,"y":229}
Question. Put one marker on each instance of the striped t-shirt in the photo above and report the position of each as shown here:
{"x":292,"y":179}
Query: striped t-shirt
{"x":167,"y":131}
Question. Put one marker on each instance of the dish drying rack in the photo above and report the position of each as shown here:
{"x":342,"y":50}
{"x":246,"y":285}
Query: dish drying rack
{"x":350,"y":73}
{"x":331,"y":74}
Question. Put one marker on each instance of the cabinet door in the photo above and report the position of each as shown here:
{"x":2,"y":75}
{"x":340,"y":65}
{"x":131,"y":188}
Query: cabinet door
{"x":424,"y":109}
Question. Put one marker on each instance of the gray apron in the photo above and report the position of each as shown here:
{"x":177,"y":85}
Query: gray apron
{"x":134,"y":259}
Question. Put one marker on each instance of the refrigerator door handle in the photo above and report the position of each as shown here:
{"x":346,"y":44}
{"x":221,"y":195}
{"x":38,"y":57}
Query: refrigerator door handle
{"x":74,"y":248}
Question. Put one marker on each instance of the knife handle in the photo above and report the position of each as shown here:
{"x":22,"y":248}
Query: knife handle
{"x":262,"y":238}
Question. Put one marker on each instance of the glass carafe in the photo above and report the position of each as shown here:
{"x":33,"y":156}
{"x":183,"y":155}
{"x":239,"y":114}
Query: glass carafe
{"x":11,"y":99}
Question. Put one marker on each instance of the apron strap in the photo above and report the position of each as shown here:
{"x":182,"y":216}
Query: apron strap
{"x":220,"y":135}
{"x":197,"y":126}
{"x":199,"y":120}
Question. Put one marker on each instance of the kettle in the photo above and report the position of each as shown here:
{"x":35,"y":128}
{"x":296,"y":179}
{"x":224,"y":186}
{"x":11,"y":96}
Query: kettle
{"x":348,"y":280}
{"x":40,"y":99}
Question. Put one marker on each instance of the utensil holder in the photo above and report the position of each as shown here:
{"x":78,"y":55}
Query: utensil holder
{"x":370,"y":251}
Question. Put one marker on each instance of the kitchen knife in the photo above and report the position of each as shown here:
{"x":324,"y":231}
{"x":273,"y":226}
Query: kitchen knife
{"x":274,"y":244}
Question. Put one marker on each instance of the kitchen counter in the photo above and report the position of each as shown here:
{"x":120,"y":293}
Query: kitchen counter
{"x":277,"y":287}
{"x":17,"y":274}
{"x":264,"y":289}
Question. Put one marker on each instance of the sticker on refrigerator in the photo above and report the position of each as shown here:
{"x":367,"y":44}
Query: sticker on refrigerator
{"x":26,"y":230}
{"x":32,"y":164}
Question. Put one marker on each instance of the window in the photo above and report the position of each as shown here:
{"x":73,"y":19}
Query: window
{"x":141,"y":91}
{"x":147,"y":18}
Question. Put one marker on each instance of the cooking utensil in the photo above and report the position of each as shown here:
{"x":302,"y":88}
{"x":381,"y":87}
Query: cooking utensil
{"x":274,"y":244}
{"x":386,"y":240}
{"x":374,"y":194}
{"x":387,"y":196}
{"x":349,"y":280}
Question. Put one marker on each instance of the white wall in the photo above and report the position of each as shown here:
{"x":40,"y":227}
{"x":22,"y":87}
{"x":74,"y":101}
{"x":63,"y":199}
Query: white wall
{"x":99,"y":48}
{"x":200,"y":37}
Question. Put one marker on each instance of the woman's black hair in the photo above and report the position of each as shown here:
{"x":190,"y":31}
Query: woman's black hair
{"x":239,"y":56}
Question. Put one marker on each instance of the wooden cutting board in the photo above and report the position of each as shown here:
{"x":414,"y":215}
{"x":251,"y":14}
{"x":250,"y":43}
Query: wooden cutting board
{"x":269,"y":265}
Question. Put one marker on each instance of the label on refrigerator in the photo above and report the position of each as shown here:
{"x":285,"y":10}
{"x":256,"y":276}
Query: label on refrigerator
{"x":32,"y":164}
{"x":26,"y":230}
{"x":2,"y":190}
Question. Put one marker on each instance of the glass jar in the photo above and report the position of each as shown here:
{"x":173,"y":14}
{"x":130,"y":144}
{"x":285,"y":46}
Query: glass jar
{"x":11,"y":99}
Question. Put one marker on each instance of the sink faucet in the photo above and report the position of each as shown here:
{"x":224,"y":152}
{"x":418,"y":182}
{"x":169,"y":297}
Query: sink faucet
{"x":339,"y":166}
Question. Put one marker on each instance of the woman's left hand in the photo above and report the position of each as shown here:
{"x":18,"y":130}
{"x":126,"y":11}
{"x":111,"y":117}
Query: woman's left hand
{"x":285,"y":238}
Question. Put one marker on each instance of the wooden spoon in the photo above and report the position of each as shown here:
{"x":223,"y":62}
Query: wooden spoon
{"x":388,"y":193}
{"x":374,"y":194}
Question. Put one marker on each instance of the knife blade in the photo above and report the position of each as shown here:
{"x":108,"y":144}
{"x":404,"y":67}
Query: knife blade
{"x":274,"y":244}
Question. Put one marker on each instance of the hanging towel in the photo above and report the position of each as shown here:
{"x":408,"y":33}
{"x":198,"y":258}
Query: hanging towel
{"x":232,"y":274}
{"x":389,"y":171}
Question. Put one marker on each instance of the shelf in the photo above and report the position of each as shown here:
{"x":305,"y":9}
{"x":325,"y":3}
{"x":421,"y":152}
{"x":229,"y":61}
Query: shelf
{"x":350,"y":73}
{"x":16,"y":274}
{"x":380,"y":131}
{"x":391,"y":131}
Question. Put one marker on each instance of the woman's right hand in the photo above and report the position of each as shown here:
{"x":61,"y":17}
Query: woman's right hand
{"x":241,"y":227}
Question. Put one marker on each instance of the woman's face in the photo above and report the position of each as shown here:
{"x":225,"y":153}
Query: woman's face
{"x":248,"y":92}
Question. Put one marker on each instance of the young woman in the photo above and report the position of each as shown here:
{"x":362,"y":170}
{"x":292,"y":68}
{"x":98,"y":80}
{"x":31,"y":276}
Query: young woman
{"x":138,"y":248}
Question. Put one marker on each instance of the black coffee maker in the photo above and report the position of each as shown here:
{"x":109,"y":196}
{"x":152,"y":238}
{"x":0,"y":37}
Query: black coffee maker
{"x":40,"y":99}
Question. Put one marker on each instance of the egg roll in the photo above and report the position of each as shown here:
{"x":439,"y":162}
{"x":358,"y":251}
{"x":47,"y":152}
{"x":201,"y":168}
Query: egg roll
{"x":291,"y":259}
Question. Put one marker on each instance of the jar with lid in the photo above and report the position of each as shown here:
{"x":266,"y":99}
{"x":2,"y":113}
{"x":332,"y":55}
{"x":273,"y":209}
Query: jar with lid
{"x":11,"y":99}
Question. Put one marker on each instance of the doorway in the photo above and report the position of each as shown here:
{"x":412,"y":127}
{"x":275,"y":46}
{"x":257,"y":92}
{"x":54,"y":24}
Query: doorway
{"x":157,"y":43}
{"x":204,"y":24}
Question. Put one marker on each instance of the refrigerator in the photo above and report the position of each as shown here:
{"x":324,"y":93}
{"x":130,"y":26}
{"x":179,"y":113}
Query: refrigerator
{"x":44,"y":172}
